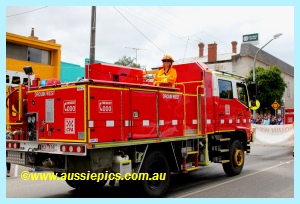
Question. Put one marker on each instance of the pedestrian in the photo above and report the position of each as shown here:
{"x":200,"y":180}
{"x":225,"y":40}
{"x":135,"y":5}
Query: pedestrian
{"x":167,"y":75}
{"x":273,"y":121}
{"x":8,"y":165}
{"x":252,"y":120}
{"x":258,"y":119}
{"x":266,"y":120}
{"x":279,"y":120}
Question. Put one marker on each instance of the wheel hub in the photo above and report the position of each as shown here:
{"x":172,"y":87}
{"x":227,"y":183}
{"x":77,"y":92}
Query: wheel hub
{"x":238,"y":157}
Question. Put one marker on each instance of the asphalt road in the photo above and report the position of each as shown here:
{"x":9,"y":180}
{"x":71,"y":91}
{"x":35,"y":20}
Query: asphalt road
{"x":268,"y":173}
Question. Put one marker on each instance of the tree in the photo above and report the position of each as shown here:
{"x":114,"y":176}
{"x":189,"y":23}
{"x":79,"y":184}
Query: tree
{"x":270,"y":84}
{"x":127,"y":61}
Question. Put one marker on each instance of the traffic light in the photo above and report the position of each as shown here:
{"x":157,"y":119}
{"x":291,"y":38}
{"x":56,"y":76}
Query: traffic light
{"x":253,"y":88}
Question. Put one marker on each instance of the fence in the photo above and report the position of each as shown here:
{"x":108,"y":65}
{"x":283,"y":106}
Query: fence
{"x":282,"y":135}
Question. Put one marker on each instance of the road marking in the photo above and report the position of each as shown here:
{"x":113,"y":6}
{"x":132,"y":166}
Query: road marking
{"x":220,"y":184}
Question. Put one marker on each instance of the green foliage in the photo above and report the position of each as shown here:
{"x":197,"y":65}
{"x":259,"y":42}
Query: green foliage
{"x":127,"y":61}
{"x":271,"y":86}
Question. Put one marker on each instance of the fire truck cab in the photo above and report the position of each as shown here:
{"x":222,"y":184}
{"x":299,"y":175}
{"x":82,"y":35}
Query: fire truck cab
{"x":114,"y":122}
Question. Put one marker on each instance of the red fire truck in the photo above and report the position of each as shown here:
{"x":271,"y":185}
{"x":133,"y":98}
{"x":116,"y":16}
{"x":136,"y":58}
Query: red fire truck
{"x":114,"y":121}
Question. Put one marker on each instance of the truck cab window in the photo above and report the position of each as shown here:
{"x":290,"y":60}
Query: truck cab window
{"x":225,"y":89}
{"x":242,"y":93}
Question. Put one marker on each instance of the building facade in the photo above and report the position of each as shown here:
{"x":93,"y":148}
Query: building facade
{"x":43,"y":56}
{"x":242,"y":63}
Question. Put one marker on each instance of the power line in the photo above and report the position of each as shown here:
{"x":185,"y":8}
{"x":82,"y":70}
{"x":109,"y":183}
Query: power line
{"x":138,"y":29}
{"x":151,"y":22}
{"x":26,"y":12}
{"x":185,"y":48}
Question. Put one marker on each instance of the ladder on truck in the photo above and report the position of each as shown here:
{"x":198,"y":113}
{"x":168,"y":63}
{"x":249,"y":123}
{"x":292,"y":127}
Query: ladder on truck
{"x":193,"y":151}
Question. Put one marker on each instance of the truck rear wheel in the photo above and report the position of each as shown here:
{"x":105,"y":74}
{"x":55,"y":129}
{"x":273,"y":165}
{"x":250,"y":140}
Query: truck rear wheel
{"x":155,"y":163}
{"x":237,"y":159}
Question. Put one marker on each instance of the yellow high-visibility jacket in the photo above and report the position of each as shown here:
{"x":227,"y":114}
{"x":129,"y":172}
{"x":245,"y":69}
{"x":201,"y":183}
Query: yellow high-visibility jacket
{"x":168,"y":77}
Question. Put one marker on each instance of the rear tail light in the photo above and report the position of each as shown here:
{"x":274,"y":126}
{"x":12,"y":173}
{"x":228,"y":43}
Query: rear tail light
{"x":79,"y":149}
{"x":13,"y":145}
{"x":72,"y":148}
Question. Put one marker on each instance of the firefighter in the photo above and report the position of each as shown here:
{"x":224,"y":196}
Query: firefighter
{"x":167,"y":74}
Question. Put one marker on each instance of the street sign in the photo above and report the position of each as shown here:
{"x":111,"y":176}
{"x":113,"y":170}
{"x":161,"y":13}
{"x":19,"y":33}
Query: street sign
{"x":251,"y":38}
{"x":275,"y":105}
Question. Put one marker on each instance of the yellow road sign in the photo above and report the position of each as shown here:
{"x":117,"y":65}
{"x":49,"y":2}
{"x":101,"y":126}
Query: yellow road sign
{"x":275,"y":105}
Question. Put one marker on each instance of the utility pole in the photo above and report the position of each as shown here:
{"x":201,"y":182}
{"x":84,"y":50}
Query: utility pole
{"x":93,"y":34}
{"x":136,"y":49}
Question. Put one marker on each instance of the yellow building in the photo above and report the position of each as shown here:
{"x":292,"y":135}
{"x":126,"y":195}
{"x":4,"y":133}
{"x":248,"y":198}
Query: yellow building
{"x":43,"y":56}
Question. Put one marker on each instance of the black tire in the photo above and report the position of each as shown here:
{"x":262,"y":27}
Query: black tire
{"x":237,"y":159}
{"x":155,"y":162}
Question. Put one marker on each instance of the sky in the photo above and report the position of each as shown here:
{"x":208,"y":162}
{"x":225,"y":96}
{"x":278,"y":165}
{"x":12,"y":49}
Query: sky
{"x":146,"y":33}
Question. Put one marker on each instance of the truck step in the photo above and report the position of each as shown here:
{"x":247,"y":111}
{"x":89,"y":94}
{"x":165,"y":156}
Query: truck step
{"x":193,"y":168}
{"x":219,"y":159}
{"x":224,"y":150}
{"x":224,"y":139}
{"x":193,"y":152}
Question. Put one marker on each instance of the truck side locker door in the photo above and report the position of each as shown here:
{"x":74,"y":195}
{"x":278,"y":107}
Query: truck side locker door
{"x":106,"y":114}
{"x":144,"y":114}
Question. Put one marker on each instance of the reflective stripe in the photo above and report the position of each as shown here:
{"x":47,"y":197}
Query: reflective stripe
{"x":110,"y":123}
{"x":127,"y":123}
{"x":91,"y":123}
{"x":222,"y":121}
{"x":208,"y":121}
{"x":195,"y":121}
{"x":145,"y":122}
{"x":174,"y":122}
{"x":230,"y":121}
{"x":237,"y":120}
{"x":244,"y":120}
{"x":161,"y":122}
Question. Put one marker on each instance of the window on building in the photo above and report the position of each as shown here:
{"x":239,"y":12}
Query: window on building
{"x":225,"y":89}
{"x":25,"y":53}
{"x":16,"y":51}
